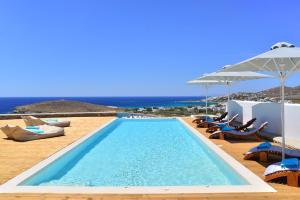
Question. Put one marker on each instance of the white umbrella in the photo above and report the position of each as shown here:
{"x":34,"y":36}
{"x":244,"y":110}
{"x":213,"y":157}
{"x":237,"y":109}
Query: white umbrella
{"x":283,"y":60}
{"x":206,"y":84}
{"x":229,"y":77}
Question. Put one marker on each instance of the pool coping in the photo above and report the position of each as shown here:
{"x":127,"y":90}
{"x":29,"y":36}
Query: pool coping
{"x":256,"y":184}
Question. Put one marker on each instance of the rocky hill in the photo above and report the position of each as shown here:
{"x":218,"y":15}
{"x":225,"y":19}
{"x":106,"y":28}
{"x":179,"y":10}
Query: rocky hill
{"x":274,"y":92}
{"x":63,"y":106}
{"x":270,"y":95}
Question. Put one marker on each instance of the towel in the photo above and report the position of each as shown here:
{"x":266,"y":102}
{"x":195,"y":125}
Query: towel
{"x":32,"y":127}
{"x":208,"y":119}
{"x":222,"y":125}
{"x":37,"y":131}
{"x":226,"y":128}
{"x":290,"y":163}
{"x":264,"y":145}
{"x":51,"y":120}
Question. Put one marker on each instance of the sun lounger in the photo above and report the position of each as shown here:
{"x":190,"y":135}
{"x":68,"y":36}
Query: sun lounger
{"x":34,"y":121}
{"x":219,"y":119}
{"x":210,"y":122}
{"x":234,"y":133}
{"x":264,"y":150}
{"x":207,"y":118}
{"x":288,"y":169}
{"x":25,"y":134}
{"x":214,"y":126}
{"x":244,"y":127}
{"x":292,"y":143}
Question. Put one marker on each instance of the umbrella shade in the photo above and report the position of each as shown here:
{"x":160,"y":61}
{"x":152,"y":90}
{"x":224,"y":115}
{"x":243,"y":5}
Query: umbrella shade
{"x":206,"y":84}
{"x":230,"y":77}
{"x":284,"y":60}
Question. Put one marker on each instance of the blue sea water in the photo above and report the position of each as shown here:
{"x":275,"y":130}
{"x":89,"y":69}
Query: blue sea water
{"x":147,"y":152}
{"x":8,"y":104}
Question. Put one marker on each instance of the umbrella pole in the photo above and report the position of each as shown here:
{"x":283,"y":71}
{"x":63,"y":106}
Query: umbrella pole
{"x":206,"y":111}
{"x":228,"y":99}
{"x":282,"y":82}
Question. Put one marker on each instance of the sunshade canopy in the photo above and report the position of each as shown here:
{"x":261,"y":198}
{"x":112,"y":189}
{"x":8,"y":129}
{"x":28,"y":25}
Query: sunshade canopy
{"x":232,"y":76}
{"x":283,"y":57}
{"x":206,"y":82}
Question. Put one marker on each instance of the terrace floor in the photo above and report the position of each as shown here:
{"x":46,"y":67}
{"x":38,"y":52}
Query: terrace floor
{"x":16,"y":157}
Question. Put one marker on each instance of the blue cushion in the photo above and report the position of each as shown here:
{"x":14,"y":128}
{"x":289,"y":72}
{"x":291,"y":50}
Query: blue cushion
{"x":32,"y":127}
{"x":209,"y":119}
{"x":264,"y":145}
{"x":226,"y":128}
{"x":37,"y":131}
{"x":51,"y":120}
{"x":290,"y":163}
{"x":222,"y":125}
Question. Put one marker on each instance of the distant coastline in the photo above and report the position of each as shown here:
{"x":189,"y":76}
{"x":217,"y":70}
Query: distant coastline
{"x":8,"y":104}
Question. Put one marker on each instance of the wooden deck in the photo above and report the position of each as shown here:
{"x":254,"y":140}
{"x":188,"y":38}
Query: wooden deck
{"x":16,"y":157}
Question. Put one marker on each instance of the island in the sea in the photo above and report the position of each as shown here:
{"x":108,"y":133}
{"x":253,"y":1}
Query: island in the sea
{"x":64,"y":106}
{"x":67,"y":106}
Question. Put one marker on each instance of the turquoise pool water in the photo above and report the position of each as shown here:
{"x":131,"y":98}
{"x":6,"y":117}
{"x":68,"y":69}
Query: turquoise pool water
{"x":147,"y":152}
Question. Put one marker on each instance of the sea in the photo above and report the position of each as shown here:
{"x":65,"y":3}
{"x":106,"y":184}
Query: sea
{"x":8,"y":104}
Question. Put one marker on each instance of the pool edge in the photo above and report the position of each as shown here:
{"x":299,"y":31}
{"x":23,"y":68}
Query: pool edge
{"x":257,"y":184}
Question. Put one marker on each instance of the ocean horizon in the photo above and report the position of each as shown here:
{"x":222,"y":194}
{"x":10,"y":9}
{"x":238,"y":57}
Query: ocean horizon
{"x":8,"y":104}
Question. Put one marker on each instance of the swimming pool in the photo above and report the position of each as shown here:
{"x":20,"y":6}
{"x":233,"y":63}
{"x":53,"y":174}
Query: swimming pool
{"x":160,"y":154}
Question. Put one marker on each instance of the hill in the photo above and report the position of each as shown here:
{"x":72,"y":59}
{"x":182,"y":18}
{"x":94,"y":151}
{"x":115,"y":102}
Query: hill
{"x":63,"y":106}
{"x":269,"y":95}
{"x":274,"y":92}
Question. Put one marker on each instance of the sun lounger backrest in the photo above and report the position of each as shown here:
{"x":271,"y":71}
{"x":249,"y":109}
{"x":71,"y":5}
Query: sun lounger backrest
{"x":233,"y":118}
{"x":263,"y":126}
{"x":7,"y":130}
{"x":221,"y":117}
{"x":245,"y":126}
{"x":33,"y":121}
{"x":250,"y":122}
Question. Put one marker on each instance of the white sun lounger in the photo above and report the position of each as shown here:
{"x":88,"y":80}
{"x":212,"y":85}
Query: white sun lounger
{"x":34,"y":121}
{"x":21,"y":134}
{"x":203,"y":121}
{"x":262,"y":152}
{"x":217,"y":125}
{"x":278,"y":171}
{"x":239,"y":134}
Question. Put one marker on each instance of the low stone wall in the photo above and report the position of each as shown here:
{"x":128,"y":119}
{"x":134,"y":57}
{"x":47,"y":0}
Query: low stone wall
{"x":71,"y":114}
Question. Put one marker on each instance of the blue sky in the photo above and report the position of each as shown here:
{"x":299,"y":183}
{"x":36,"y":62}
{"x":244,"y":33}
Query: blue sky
{"x":135,"y":48}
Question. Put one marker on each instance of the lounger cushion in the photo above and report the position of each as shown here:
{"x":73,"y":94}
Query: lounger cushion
{"x":32,"y":127}
{"x":264,"y":145}
{"x":222,"y":125}
{"x":226,"y":128}
{"x":290,"y":163}
{"x":51,"y":120}
{"x":38,"y":131}
{"x":276,"y":167}
{"x":209,"y":120}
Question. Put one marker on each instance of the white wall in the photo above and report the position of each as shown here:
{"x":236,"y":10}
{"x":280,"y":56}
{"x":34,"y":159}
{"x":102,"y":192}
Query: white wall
{"x":292,"y":121}
{"x":243,"y":108}
{"x":268,"y":112}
